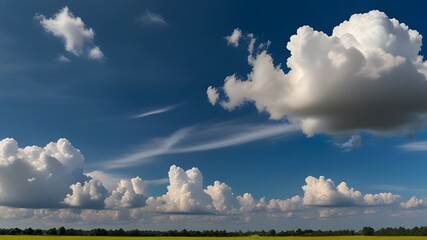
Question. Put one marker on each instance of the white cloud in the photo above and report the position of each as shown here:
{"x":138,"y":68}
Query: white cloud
{"x":78,"y":39}
{"x":129,"y":194}
{"x":222,"y":196}
{"x":414,"y":146}
{"x":89,"y":195}
{"x":413,"y":202}
{"x":151,"y":18}
{"x":202,"y":138}
{"x":380,"y":199}
{"x":353,"y":142}
{"x":249,"y":204}
{"x":322,"y":192}
{"x":341,"y":84}
{"x":156,"y":111}
{"x":213,"y":95}
{"x":63,"y":58}
{"x":185,"y":193}
{"x":38,"y":177}
{"x":234,"y":38}
{"x":96,"y":54}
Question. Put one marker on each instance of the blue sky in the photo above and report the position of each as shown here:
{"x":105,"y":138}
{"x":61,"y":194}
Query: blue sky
{"x":124,"y":89}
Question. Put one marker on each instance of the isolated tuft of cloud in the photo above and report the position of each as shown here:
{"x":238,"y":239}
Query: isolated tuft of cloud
{"x":78,"y":39}
{"x":234,"y":38}
{"x":353,"y":142}
{"x":151,"y":18}
{"x":63,"y":59}
{"x":366,"y":76}
{"x":212,"y":95}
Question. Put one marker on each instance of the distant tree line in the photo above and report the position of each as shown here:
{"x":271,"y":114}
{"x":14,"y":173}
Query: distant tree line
{"x":367,"y":231}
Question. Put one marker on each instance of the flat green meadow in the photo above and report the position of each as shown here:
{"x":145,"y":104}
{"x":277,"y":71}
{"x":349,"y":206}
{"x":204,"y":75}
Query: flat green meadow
{"x":25,"y":237}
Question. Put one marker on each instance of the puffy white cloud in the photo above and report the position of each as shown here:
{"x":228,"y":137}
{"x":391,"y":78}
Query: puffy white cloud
{"x":96,"y":54}
{"x":234,"y":38}
{"x":129,"y":194}
{"x":77,"y":37}
{"x":33,"y":177}
{"x":89,"y":195}
{"x":285,"y":205}
{"x":341,"y":84}
{"x":249,"y":204}
{"x":213,"y":95}
{"x":222,"y":196}
{"x":185,"y":193}
{"x":322,"y":192}
{"x":380,"y":199}
{"x":413,"y":202}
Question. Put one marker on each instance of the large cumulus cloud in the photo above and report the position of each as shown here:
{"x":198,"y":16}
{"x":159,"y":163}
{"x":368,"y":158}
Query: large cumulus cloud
{"x":38,"y":177}
{"x":366,"y":76}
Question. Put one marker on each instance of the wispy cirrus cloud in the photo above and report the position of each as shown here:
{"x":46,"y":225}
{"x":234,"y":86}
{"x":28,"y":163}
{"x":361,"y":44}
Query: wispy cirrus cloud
{"x":419,"y":146}
{"x":156,"y":111}
{"x":201,"y":138}
{"x":151,"y":18}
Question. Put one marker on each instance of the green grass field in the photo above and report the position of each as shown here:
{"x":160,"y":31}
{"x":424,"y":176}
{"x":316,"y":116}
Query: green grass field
{"x":21,"y":237}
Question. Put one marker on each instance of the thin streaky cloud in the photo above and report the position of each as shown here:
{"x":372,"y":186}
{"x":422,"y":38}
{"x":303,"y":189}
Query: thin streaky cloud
{"x":420,"y":146}
{"x":201,"y":138}
{"x":156,"y":111}
{"x":151,"y":18}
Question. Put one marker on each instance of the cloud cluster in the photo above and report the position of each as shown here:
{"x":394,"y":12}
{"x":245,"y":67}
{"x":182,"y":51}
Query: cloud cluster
{"x":78,"y":39}
{"x":128,"y":194}
{"x":366,"y":76}
{"x":35,"y":181}
{"x":323,"y":192}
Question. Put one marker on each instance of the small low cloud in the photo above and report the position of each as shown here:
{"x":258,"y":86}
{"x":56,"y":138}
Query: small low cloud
{"x":354,"y":141}
{"x":77,"y":37}
{"x":63,"y":59}
{"x":234,"y":38}
{"x":212,"y":95}
{"x":414,"y":202}
{"x":151,"y":18}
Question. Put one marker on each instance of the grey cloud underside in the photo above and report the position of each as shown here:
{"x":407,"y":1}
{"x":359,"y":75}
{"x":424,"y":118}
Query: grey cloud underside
{"x":366,"y":76}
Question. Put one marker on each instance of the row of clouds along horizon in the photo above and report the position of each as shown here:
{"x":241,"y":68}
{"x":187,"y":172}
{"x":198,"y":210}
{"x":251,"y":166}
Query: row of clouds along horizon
{"x":53,"y":177}
{"x":367,"y":76}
